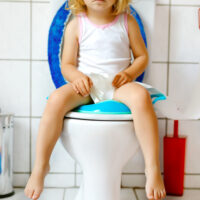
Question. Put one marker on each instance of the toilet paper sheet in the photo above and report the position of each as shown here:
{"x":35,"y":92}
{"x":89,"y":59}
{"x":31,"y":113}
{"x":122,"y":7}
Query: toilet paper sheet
{"x":102,"y":86}
{"x":103,"y":90}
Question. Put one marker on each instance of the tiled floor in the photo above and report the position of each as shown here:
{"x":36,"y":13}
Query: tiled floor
{"x":126,"y":194}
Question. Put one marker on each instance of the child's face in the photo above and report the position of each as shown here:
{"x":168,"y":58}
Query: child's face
{"x":99,"y":4}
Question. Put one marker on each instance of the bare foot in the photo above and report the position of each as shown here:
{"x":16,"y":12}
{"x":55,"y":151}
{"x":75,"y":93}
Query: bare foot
{"x":155,"y":188}
{"x":35,"y":183}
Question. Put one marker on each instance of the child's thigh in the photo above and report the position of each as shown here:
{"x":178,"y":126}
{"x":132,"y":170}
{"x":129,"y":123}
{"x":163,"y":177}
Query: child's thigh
{"x":64,"y":99}
{"x":132,"y":94}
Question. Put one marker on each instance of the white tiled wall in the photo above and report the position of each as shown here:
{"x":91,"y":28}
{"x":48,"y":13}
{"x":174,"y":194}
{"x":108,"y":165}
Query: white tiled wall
{"x":15,"y":86}
{"x":40,"y":24}
{"x":161,"y":33}
{"x":184,"y":34}
{"x":26,"y":82}
{"x":15,"y":30}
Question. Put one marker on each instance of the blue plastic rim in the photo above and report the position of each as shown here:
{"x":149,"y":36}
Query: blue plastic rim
{"x":55,"y":39}
{"x":104,"y":107}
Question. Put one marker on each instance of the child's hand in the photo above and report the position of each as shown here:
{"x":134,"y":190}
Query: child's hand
{"x":120,"y":79}
{"x":82,"y":85}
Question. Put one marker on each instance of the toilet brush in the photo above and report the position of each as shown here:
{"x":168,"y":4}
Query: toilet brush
{"x":174,"y":162}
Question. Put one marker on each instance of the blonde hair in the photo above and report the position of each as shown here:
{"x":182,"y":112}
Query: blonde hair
{"x":77,"y":6}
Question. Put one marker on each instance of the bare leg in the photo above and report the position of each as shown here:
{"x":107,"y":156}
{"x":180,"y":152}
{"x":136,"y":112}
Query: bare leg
{"x":137,"y":98}
{"x":59,"y":103}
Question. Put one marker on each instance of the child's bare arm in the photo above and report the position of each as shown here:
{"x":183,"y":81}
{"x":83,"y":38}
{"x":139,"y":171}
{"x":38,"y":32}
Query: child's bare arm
{"x":80,"y":82}
{"x":70,"y":51}
{"x":140,"y":55}
{"x":138,"y":49}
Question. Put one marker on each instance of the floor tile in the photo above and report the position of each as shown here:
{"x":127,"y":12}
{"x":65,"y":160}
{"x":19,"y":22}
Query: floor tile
{"x":70,"y":194}
{"x":52,"y":194}
{"x":188,"y":194}
{"x":19,"y":195}
{"x":126,"y":194}
{"x":47,"y":194}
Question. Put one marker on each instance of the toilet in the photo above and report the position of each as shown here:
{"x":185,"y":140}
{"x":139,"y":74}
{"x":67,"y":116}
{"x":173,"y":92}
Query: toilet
{"x":101,"y":145}
{"x":99,"y":137}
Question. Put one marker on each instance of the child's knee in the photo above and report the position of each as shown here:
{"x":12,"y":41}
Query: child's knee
{"x":54,"y":98}
{"x":56,"y":103}
{"x":142,"y":98}
{"x":133,"y":95}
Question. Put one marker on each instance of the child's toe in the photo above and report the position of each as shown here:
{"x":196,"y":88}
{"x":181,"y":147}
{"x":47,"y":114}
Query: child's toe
{"x":25,"y":192}
{"x":156,"y":194}
{"x":160,"y":194}
{"x":36,"y":194}
{"x":163,"y":193}
{"x":150,"y":195}
{"x":30,"y":193}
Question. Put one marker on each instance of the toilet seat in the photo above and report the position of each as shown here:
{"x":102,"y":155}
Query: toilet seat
{"x":99,"y":117}
{"x":109,"y":110}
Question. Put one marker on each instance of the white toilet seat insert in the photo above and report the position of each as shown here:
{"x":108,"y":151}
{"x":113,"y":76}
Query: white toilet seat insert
{"x":93,"y":116}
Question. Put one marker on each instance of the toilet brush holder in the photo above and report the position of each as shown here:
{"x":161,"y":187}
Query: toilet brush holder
{"x":174,"y":162}
{"x":6,"y":155}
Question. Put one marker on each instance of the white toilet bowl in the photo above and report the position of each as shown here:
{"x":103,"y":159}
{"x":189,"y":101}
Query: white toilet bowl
{"x":102,"y":148}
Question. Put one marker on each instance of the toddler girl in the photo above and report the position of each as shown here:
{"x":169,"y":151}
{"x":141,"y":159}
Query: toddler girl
{"x":99,"y":40}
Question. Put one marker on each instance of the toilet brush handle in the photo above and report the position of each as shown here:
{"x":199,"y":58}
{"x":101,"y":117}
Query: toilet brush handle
{"x":175,"y":128}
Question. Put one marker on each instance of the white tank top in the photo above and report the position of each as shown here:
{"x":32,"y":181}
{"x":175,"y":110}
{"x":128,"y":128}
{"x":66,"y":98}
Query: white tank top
{"x":103,"y":48}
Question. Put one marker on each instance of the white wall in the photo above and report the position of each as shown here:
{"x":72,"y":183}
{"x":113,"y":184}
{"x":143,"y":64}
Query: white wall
{"x":25,"y":82}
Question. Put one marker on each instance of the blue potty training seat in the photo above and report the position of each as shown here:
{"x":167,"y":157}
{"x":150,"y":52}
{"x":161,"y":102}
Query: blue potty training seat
{"x":104,"y":107}
{"x":55,"y":46}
